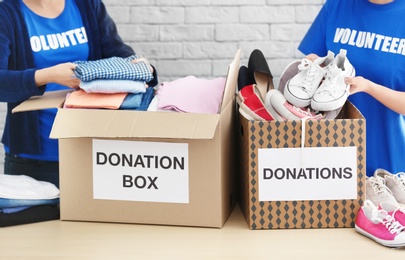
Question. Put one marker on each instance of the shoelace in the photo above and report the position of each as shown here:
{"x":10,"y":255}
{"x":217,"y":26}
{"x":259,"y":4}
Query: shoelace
{"x":311,"y":71}
{"x":330,"y":81}
{"x":400,"y":180}
{"x":393,"y":226}
{"x":399,"y":209}
{"x":378,"y":185}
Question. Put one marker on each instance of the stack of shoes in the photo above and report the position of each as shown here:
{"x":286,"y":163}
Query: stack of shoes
{"x":307,"y":89}
{"x":258,"y":99}
{"x":254,"y":82}
{"x":384,"y":224}
{"x":382,"y":217}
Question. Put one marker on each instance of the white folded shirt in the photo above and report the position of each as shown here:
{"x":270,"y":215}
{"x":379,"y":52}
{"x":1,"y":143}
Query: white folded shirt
{"x":25,"y":187}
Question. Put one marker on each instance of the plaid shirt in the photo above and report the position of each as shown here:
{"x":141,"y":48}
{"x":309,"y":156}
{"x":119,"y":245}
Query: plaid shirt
{"x":113,"y":68}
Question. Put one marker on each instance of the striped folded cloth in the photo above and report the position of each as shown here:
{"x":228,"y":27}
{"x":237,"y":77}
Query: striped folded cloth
{"x":113,"y":86}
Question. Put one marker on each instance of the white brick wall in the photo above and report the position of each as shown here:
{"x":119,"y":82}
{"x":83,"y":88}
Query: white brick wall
{"x":200,"y":37}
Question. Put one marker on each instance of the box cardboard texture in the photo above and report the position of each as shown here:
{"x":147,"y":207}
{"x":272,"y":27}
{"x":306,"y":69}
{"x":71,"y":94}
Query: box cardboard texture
{"x":348,"y":129}
{"x":211,"y":150}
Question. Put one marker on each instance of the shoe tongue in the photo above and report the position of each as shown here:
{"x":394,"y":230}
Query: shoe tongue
{"x":380,"y":216}
{"x":334,"y":70}
{"x":401,"y":177}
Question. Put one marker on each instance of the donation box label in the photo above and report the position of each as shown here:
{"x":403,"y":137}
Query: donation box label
{"x":313,"y":173}
{"x":140,"y":171}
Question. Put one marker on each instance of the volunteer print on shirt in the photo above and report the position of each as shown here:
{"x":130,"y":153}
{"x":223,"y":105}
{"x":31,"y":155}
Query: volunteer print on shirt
{"x":58,"y":40}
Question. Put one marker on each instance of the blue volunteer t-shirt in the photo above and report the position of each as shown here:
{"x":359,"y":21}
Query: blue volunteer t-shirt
{"x":374,"y":37}
{"x":54,"y":41}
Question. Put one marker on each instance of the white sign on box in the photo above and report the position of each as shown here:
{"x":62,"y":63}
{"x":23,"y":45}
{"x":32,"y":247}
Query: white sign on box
{"x":313,"y":173}
{"x":140,"y":171}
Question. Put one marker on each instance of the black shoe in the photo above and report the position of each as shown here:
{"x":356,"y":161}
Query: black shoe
{"x":244,"y":78}
{"x":260,"y":71}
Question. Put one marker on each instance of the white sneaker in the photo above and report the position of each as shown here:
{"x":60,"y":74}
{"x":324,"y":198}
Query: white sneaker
{"x":333,"y":92}
{"x":395,"y":182}
{"x":300,"y":89}
{"x":276,"y":100}
{"x":270,"y":107}
{"x":288,"y":73}
{"x":377,"y":191}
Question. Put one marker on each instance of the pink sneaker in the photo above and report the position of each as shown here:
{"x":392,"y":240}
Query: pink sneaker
{"x":395,"y":211}
{"x":288,"y":111}
{"x":270,"y":107}
{"x":378,"y":225}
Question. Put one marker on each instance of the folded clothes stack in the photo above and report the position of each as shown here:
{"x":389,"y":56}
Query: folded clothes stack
{"x":113,"y":83}
{"x":25,"y":200}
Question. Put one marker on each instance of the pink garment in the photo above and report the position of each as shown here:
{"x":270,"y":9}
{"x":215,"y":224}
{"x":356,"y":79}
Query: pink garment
{"x":81,"y":99}
{"x":192,"y":95}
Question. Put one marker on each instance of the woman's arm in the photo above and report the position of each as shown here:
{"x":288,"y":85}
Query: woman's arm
{"x":61,"y":74}
{"x":392,"y":99}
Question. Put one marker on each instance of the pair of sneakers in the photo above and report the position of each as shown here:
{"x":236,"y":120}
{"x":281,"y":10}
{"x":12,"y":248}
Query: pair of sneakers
{"x":320,"y":83}
{"x":383,"y":223}
{"x":391,"y":187}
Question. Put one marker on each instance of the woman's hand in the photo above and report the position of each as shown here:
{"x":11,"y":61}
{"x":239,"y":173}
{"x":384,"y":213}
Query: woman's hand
{"x":62,"y":74}
{"x":312,"y":56}
{"x":358,"y":84}
{"x":145,"y":61}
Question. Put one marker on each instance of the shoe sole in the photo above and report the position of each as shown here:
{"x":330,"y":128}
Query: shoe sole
{"x":248,"y":116}
{"x":387,"y":243}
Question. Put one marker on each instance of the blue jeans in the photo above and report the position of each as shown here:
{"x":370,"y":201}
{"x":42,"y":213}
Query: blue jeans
{"x":37,"y":169}
{"x":13,"y":203}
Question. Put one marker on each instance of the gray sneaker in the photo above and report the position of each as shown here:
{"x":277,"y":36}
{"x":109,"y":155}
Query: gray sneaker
{"x":395,"y":182}
{"x":378,"y":192}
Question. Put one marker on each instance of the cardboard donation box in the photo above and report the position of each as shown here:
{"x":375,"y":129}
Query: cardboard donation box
{"x":302,"y":174}
{"x":164,"y":168}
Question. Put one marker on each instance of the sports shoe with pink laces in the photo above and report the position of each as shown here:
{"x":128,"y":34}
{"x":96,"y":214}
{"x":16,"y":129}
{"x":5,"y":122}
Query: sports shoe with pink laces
{"x":288,"y":111}
{"x":397,"y":212}
{"x":378,"y":225}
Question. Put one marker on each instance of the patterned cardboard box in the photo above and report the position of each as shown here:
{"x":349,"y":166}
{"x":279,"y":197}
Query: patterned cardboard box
{"x":348,"y":129}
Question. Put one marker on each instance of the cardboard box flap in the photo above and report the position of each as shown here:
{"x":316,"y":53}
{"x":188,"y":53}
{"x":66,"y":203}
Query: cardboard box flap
{"x":52,"y":99}
{"x":74,"y":123}
{"x":350,"y":111}
{"x":231,"y":80}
